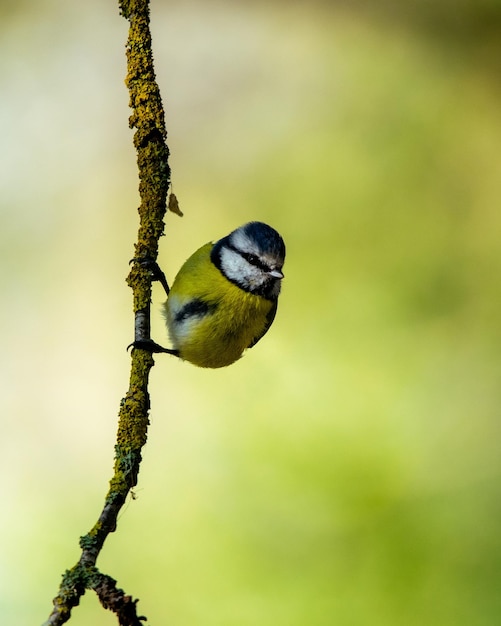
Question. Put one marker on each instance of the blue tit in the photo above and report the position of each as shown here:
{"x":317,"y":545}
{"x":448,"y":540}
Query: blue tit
{"x":224,"y":298}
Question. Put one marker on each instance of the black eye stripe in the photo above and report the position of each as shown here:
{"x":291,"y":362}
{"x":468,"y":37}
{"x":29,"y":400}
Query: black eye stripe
{"x":250,"y":258}
{"x":254,"y":260}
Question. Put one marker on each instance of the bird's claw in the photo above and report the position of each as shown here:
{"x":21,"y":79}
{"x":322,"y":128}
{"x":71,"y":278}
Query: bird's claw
{"x":151,"y":346}
{"x":156,"y":274}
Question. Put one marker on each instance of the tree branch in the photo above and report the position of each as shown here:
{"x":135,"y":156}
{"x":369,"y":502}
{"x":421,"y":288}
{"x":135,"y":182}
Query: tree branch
{"x":147,"y":119}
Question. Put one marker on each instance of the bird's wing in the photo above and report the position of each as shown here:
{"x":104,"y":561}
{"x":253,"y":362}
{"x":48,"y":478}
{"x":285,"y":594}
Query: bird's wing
{"x":269,"y":321}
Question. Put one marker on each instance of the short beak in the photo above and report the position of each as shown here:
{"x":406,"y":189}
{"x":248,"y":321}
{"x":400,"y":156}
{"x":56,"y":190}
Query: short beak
{"x":276,"y":274}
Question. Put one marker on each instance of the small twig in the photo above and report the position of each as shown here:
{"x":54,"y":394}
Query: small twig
{"x":154,"y":175}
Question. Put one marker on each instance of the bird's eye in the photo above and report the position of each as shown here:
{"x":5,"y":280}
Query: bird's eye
{"x":255,"y":260}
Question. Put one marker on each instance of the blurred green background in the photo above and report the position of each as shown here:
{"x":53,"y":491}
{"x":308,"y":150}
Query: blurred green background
{"x":347,"y":470}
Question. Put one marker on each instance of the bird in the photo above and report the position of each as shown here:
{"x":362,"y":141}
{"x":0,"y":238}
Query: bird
{"x":224,"y":298}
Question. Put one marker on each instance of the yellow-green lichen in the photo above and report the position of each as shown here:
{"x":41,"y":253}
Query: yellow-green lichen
{"x":148,"y":120}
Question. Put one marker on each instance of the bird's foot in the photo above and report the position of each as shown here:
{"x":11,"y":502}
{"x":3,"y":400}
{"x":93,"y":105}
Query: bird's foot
{"x":154,"y":269}
{"x":151,"y":346}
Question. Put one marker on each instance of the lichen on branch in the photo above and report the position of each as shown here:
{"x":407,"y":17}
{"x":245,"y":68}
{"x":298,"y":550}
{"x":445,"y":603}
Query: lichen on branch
{"x":148,"y":121}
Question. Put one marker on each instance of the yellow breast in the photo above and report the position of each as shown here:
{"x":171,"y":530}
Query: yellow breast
{"x":211,"y":321}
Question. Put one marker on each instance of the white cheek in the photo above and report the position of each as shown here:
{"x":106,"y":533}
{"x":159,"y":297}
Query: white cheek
{"x":255,"y":276}
{"x":234,"y":265}
{"x":237,"y":269}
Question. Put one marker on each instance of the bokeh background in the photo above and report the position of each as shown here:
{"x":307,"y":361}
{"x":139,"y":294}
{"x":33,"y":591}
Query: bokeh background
{"x":346,"y":470}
